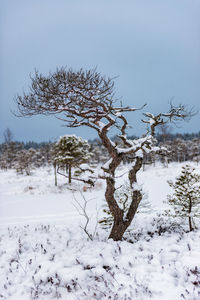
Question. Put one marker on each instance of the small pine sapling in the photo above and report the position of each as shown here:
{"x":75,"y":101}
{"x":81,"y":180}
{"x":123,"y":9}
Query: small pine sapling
{"x":186,"y":197}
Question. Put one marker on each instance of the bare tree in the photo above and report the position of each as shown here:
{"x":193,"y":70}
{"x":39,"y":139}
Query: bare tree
{"x":85,"y":98}
{"x":165,"y":131}
{"x":8,"y":136}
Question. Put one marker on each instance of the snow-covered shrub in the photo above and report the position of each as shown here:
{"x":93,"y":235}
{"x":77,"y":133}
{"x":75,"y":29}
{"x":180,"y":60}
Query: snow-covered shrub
{"x":56,"y":262}
{"x":8,"y":152}
{"x":186,"y":197}
{"x":24,"y":161}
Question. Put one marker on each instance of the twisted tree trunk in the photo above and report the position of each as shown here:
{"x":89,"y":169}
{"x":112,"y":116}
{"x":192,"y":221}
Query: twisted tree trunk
{"x":122,"y":221}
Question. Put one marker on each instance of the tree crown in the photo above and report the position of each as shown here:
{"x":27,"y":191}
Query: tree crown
{"x":72,"y":150}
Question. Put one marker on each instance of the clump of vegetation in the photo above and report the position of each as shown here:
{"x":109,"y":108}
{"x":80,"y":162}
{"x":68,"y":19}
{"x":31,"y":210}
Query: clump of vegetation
{"x":24,"y":161}
{"x":186,"y":197}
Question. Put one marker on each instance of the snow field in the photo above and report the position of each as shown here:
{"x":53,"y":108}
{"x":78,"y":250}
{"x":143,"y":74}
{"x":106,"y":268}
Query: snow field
{"x":44,"y":254}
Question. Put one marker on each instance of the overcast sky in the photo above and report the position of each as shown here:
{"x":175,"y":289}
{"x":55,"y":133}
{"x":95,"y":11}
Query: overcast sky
{"x":153,"y":47}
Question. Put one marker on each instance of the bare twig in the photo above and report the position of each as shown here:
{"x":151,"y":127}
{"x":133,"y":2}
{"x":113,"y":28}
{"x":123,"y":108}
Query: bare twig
{"x":82,"y":210}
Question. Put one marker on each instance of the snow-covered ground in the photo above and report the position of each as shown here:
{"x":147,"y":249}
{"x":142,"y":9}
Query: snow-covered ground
{"x":44,"y":253}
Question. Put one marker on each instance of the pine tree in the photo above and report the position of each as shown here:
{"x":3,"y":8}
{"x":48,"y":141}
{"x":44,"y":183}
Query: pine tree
{"x":71,"y":151}
{"x":186,"y":197}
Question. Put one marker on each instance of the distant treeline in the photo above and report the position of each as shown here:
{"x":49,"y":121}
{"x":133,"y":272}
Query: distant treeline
{"x":30,"y":144}
{"x":24,"y":156}
{"x":183,"y":136}
{"x":173,"y":136}
{"x":160,"y":138}
{"x":35,"y":145}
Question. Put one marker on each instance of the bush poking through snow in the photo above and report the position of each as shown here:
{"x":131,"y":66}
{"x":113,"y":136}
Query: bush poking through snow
{"x":54,"y":262}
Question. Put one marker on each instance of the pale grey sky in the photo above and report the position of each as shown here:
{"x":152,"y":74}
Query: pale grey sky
{"x":152,"y":45}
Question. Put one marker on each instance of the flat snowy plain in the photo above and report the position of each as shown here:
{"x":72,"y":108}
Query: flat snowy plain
{"x":44,"y":253}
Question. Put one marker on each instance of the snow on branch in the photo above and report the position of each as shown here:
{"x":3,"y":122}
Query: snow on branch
{"x":176,"y":113}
